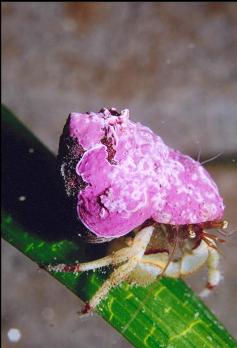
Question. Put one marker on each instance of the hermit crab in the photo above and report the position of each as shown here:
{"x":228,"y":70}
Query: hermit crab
{"x":151,"y":202}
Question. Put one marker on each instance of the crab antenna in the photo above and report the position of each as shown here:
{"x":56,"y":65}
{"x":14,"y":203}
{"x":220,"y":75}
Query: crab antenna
{"x":158,"y":277}
{"x":214,"y":237}
{"x":228,"y":234}
{"x":212,"y":158}
{"x":199,"y":152}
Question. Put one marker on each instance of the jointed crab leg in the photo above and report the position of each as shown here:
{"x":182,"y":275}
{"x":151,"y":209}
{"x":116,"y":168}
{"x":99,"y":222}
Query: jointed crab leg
{"x":133,"y":265}
{"x":116,"y":258}
{"x":151,"y":266}
{"x":154,"y":265}
{"x":119,"y":275}
{"x":135,"y":252}
{"x":130,"y":256}
{"x":139,"y":244}
{"x":214,"y":275}
{"x":81,"y":267}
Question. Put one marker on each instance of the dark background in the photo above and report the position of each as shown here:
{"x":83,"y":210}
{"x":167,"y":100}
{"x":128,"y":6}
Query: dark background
{"x":174,"y":66}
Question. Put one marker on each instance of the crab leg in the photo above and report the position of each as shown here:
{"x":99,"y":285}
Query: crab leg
{"x":153,"y":265}
{"x":119,"y":275}
{"x":187,"y":264}
{"x":214,"y":275}
{"x":122,"y":272}
{"x":81,"y":267}
{"x":129,"y":256}
{"x":115,"y":258}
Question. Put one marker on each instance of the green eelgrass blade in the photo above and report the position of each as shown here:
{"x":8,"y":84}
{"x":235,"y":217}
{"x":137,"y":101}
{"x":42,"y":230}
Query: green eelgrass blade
{"x":39,"y":225}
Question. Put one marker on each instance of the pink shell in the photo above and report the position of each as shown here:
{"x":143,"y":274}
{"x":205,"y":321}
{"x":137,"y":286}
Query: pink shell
{"x":122,"y":174}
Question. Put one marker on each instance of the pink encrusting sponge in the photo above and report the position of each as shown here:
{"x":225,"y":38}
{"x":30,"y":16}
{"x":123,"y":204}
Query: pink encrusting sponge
{"x":120,"y":173}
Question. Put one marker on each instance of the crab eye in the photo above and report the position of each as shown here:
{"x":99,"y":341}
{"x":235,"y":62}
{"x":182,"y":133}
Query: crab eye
{"x":191,"y":233}
{"x":225,"y":224}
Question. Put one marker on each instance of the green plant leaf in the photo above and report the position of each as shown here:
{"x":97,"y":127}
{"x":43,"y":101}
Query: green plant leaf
{"x":36,"y":220}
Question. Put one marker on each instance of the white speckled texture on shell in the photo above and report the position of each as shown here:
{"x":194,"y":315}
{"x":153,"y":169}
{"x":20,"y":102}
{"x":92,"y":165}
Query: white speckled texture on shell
{"x":131,"y":176}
